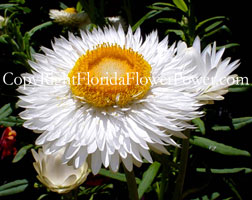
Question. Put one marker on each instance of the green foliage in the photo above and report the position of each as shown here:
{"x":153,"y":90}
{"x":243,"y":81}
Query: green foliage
{"x":14,"y":38}
{"x":92,"y":191}
{"x":144,"y":18}
{"x":198,"y":122}
{"x":236,"y":122}
{"x":13,"y":187}
{"x":14,"y":7}
{"x":148,"y":177}
{"x":186,"y":25}
{"x":11,"y":121}
{"x":117,"y":176}
{"x":7,"y":120}
{"x":6,"y":110}
{"x":180,"y":4}
{"x":36,"y":28}
{"x":226,"y":171}
{"x":213,"y":196}
{"x":240,"y":88}
{"x":217,"y":147}
{"x":22,"y":152}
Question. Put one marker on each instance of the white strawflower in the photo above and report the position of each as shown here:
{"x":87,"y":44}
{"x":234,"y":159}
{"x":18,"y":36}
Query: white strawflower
{"x":116,"y":21}
{"x":107,"y":123}
{"x":213,"y":73}
{"x":70,"y":17}
{"x":58,"y":177}
{"x":2,"y":21}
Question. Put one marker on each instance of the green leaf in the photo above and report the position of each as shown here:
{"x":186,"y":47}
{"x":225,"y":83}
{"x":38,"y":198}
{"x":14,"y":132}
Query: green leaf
{"x":13,"y":184}
{"x":204,"y":22}
{"x":145,"y":17}
{"x":224,"y":27}
{"x":32,"y":51}
{"x":21,"y":153}
{"x":213,"y":26}
{"x":240,"y":88}
{"x":13,"y":43}
{"x":214,"y":196}
{"x":237,"y":123}
{"x":99,"y":189}
{"x":17,"y":1}
{"x":178,"y":32}
{"x":19,"y":54}
{"x":148,"y":177}
{"x":227,"y":46}
{"x":42,"y":196}
{"x":181,"y":5}
{"x":63,"y":6}
{"x":163,"y":4}
{"x":6,"y":110}
{"x":8,"y":5}
{"x":13,"y":187}
{"x":166,"y":20}
{"x":226,"y":171}
{"x":18,"y":35}
{"x":200,"y":125}
{"x":242,"y":120}
{"x":160,"y":8}
{"x":221,"y":128}
{"x":79,"y":7}
{"x":217,"y":147}
{"x":39,"y":27}
{"x":25,"y":9}
{"x":11,"y":121}
{"x":232,"y":186}
{"x":3,"y":40}
{"x":117,"y":176}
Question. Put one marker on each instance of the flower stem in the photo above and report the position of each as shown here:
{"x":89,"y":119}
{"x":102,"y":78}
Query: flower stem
{"x":131,"y":182}
{"x":182,"y":168}
{"x":164,"y":184}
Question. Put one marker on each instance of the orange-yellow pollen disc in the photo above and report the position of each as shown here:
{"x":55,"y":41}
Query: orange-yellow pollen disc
{"x":110,"y":75}
{"x":70,"y":10}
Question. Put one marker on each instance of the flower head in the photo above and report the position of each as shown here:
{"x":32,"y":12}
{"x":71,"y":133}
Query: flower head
{"x":7,"y":142}
{"x":115,"y":106}
{"x":1,"y":21}
{"x":116,"y":21}
{"x":70,"y":17}
{"x":58,"y":177}
{"x":213,"y":73}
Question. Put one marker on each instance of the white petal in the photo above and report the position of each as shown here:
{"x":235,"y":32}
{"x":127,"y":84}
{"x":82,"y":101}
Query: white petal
{"x":96,"y":162}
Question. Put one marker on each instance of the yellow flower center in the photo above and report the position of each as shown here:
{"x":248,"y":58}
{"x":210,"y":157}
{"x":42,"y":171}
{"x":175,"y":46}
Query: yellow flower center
{"x":70,"y":10}
{"x":110,"y":75}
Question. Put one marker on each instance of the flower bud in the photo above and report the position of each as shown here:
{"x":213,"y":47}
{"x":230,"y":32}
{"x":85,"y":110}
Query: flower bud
{"x":58,"y":177}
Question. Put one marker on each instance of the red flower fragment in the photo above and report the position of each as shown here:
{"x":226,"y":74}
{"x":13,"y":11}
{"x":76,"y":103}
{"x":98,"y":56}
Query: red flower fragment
{"x":7,"y":142}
